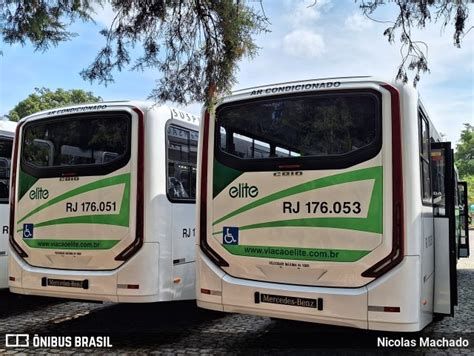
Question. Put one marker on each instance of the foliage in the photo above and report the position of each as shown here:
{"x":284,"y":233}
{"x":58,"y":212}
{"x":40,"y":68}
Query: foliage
{"x":43,"y":99}
{"x":464,"y":158}
{"x":464,"y":155}
{"x":417,"y":13}
{"x":195,"y":44}
{"x":470,"y":189}
{"x":41,"y":22}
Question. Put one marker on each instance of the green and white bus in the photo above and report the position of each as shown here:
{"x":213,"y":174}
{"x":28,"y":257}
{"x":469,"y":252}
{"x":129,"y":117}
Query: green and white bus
{"x":103,"y":203}
{"x":7,"y":132}
{"x":331,"y":201}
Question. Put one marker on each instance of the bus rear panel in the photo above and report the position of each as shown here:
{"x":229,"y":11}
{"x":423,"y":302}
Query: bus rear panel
{"x":301,"y":207}
{"x":80,"y":200}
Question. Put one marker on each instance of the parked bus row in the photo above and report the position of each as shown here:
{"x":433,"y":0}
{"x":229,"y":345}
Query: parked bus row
{"x":332,"y":201}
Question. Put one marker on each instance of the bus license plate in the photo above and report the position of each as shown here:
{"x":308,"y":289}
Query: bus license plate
{"x":285,"y":300}
{"x":68,"y":283}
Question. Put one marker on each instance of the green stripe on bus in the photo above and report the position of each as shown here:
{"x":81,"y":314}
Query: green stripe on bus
{"x":25,"y":182}
{"x":110,"y":181}
{"x":222,"y":177}
{"x":358,"y":224}
{"x":373,"y":222}
{"x":71,"y":244}
{"x":296,"y":253}
{"x":115,"y":219}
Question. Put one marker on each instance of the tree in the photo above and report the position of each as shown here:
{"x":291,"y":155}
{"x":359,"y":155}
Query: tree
{"x":40,"y":22}
{"x":464,"y":155}
{"x":417,"y":13}
{"x":43,"y":99}
{"x":196,"y":44}
{"x":470,"y":192}
{"x":464,"y":158}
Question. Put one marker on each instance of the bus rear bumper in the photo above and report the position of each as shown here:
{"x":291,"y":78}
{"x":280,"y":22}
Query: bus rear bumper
{"x":340,"y":306}
{"x":344,"y":307}
{"x":125,"y":284}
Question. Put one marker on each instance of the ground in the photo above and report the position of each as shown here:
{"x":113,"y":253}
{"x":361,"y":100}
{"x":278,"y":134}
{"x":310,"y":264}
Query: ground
{"x":182,"y":328}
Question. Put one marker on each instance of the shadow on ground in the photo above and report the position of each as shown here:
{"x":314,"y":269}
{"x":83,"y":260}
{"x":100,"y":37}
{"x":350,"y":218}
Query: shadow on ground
{"x":14,"y":304}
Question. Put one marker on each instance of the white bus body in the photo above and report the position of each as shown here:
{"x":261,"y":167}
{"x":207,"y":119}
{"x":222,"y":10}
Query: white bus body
{"x":103,"y":201}
{"x":7,"y":132}
{"x":315,"y":204}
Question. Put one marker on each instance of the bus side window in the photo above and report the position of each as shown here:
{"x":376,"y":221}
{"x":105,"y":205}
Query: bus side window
{"x":182,"y":159}
{"x":425,"y":158}
{"x":4,"y":179}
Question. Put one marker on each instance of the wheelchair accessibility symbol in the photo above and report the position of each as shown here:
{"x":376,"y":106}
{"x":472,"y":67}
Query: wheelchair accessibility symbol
{"x":230,"y":235}
{"x":27,"y":231}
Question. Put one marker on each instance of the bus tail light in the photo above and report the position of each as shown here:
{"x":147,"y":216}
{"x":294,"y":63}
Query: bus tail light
{"x":210,"y":292}
{"x":208,"y":251}
{"x":398,"y":236}
{"x":11,"y":232}
{"x":138,"y":242}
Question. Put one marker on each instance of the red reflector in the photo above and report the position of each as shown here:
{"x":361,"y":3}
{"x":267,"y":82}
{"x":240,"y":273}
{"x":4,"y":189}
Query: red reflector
{"x":69,"y":174}
{"x":11,"y":278}
{"x":205,"y":291}
{"x":391,"y":309}
{"x":133,"y":286}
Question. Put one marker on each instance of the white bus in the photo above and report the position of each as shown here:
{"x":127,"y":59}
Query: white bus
{"x":7,"y":132}
{"x":103,"y":201}
{"x":331,"y":201}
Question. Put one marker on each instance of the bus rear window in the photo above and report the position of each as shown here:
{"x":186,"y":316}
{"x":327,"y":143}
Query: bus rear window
{"x":311,"y":126}
{"x":77,"y":142}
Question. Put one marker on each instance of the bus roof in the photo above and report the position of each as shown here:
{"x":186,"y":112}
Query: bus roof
{"x":320,"y":82}
{"x":7,"y":128}
{"x":299,"y":81}
{"x":144,"y":106}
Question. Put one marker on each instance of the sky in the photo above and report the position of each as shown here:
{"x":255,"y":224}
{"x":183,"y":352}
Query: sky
{"x":330,"y":39}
